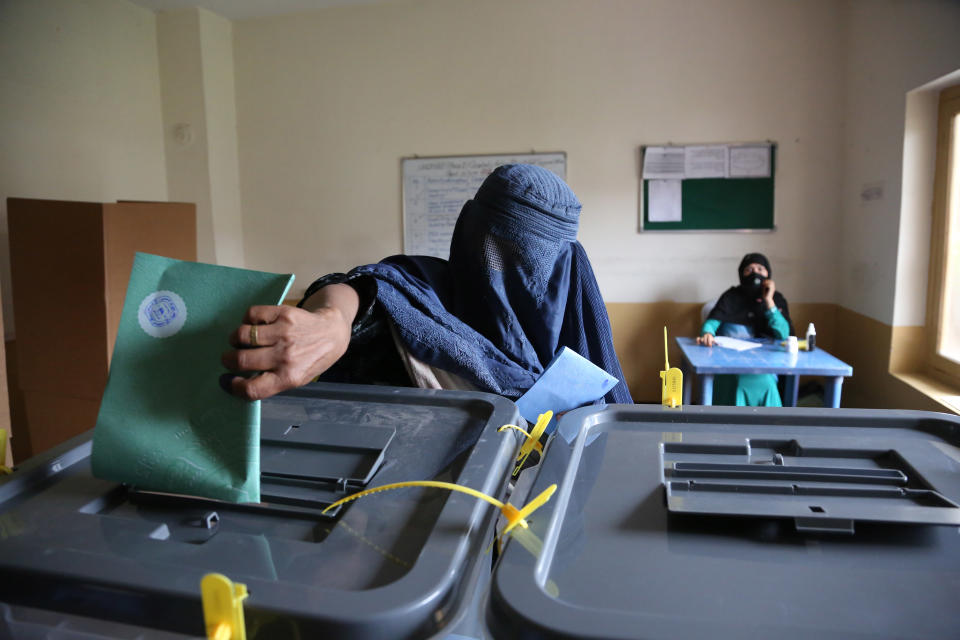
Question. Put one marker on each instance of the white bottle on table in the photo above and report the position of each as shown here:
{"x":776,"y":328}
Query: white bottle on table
{"x":811,"y":337}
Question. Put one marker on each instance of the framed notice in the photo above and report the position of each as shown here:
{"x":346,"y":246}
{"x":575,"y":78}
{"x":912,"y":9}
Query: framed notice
{"x":707,"y":187}
{"x":435,"y":190}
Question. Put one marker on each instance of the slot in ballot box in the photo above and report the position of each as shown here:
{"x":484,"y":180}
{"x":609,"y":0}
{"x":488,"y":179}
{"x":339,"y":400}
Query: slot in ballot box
{"x":87,"y":558}
{"x":725,"y":522}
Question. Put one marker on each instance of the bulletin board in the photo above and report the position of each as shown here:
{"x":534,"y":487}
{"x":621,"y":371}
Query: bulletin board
{"x":435,"y":189}
{"x":708,"y":187}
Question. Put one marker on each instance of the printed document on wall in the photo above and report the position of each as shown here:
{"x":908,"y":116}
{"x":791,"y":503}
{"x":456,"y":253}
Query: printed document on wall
{"x":750,"y":161}
{"x":664,"y":198}
{"x":434,"y":190}
{"x":705,"y":161}
{"x":663,"y":163}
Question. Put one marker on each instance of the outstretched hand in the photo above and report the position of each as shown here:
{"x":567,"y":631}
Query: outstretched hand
{"x":289,"y":346}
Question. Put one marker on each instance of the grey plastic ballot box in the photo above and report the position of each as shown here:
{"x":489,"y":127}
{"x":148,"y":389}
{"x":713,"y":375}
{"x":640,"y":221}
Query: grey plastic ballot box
{"x":723,"y":522}
{"x":90,"y":558}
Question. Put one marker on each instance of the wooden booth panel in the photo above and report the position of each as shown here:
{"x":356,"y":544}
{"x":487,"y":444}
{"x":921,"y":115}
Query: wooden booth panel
{"x":70,"y":263}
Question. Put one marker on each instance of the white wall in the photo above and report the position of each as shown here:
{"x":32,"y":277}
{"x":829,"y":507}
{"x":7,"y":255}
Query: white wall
{"x":892,"y":47}
{"x":79,"y":108}
{"x":184,"y":119}
{"x":199,"y":117}
{"x":328,"y":103}
{"x":221,"y":105}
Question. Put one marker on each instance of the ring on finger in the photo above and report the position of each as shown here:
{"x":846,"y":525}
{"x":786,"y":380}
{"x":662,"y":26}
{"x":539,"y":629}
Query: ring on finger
{"x":253,"y":336}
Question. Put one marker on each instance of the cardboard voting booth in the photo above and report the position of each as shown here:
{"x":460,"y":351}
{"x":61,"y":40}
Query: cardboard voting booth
{"x":70,"y":262}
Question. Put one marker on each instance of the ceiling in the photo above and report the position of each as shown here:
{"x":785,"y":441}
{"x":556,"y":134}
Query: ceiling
{"x":242,"y":9}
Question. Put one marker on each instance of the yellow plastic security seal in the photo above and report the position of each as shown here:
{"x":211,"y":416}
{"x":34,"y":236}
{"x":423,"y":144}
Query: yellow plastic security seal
{"x":672,"y":380}
{"x":223,"y":607}
{"x":533,"y":439}
{"x":513,"y":515}
{"x":536,"y":447}
{"x":3,"y":453}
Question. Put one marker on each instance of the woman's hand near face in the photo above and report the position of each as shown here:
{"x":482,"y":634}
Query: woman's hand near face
{"x":769,"y":288}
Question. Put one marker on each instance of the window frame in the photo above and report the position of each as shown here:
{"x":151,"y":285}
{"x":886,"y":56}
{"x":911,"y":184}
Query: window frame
{"x":948,"y":109}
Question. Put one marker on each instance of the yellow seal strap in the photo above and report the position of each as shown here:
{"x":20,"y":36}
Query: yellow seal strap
{"x":514,"y":516}
{"x":533,"y":439}
{"x":536,"y":447}
{"x":671,"y":391}
{"x":222,"y":602}
{"x":3,"y":452}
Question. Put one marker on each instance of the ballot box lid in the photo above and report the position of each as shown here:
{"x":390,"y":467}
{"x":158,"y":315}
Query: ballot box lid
{"x":733,"y":522}
{"x":400,"y":563}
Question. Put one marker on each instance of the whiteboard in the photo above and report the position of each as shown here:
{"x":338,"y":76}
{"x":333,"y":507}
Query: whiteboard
{"x":435,"y":190}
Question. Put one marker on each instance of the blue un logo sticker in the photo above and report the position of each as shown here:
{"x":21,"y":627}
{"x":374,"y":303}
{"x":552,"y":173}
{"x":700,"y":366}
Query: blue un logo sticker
{"x":162,"y":314}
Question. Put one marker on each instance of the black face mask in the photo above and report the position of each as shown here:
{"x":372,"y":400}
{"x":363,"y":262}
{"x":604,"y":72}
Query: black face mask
{"x":752,"y":284}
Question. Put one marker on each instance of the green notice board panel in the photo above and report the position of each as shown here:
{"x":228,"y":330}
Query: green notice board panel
{"x":720,"y":204}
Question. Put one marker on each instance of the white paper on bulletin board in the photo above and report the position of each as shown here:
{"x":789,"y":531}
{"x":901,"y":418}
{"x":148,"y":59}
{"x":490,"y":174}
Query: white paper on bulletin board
{"x":435,"y":189}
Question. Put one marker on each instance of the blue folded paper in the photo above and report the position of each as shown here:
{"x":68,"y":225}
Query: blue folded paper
{"x":570,"y":381}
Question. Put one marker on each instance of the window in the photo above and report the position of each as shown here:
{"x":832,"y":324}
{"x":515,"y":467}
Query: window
{"x":943,"y":310}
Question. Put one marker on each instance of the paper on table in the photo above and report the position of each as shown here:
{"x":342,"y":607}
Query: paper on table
{"x":665,"y":199}
{"x":708,"y":161}
{"x":570,"y":381}
{"x":165,"y":424}
{"x":750,"y":161}
{"x":735,"y":344}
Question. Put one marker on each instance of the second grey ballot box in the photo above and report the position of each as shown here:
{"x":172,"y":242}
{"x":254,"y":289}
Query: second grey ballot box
{"x":717,"y":522}
{"x":87,"y":558}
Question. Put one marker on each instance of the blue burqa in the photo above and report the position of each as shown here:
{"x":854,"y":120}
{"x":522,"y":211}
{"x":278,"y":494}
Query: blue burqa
{"x":517,"y":288}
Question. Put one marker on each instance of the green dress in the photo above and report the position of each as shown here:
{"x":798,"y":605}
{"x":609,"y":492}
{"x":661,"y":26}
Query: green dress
{"x":749,"y":390}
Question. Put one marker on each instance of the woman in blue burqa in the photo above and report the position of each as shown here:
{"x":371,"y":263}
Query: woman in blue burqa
{"x":517,"y":288}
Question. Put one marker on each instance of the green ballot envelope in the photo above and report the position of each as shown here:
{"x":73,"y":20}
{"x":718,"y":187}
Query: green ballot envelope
{"x":165,"y":424}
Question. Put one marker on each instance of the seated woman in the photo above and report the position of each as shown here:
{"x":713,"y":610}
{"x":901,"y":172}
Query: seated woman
{"x":753,"y":309}
{"x":517,"y":288}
